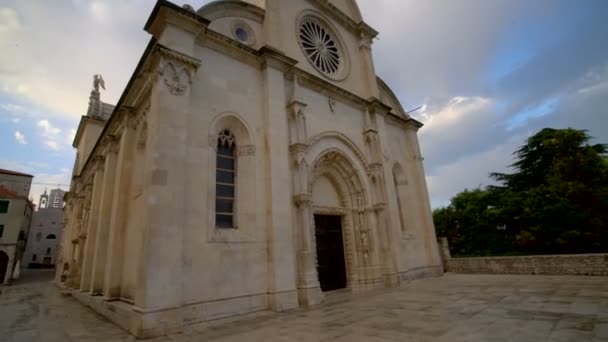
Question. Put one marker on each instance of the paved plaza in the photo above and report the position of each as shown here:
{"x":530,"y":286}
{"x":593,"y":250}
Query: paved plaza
{"x":453,"y":308}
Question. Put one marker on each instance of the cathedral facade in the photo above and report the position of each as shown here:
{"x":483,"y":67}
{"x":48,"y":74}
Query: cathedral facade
{"x":254,"y":162}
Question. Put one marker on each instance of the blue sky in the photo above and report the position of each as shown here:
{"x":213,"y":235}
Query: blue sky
{"x":487,"y":73}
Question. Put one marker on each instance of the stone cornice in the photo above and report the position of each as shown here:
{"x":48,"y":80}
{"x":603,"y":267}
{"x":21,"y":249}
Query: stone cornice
{"x":221,"y":9}
{"x":275,"y":58}
{"x":168,"y":53}
{"x":336,"y":14}
{"x":164,"y":9}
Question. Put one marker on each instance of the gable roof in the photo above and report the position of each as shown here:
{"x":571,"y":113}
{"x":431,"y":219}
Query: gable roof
{"x":15,"y":173}
{"x":9,"y":194}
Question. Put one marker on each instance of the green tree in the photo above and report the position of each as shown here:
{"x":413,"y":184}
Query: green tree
{"x":555,"y":201}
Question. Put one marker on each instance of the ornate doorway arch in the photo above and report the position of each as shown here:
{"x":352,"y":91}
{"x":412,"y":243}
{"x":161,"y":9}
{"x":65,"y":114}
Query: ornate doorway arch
{"x":350,"y":204}
{"x":335,"y":159}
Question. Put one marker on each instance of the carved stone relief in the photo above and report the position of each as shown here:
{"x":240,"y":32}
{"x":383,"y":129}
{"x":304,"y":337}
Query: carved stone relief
{"x":246,"y":150}
{"x":176,"y":77}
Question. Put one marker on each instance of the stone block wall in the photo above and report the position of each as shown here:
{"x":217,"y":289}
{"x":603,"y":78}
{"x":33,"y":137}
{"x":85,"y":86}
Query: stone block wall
{"x":576,"y":264}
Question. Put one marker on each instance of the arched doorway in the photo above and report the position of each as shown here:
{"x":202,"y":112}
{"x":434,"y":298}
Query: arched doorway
{"x":343,"y":241}
{"x":3,"y":266}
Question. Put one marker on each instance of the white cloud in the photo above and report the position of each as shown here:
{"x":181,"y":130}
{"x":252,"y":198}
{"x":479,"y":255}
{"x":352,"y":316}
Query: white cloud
{"x":455,"y":129}
{"x":12,"y":108}
{"x":471,"y":171}
{"x":9,"y":21}
{"x":20,"y":138}
{"x":48,"y":129}
{"x":104,"y":37}
{"x":50,"y":134}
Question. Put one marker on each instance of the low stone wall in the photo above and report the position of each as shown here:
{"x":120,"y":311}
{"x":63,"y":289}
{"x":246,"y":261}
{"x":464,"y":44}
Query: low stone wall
{"x":576,"y":264}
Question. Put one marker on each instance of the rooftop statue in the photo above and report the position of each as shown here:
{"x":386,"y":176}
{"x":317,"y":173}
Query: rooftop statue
{"x":98,"y":81}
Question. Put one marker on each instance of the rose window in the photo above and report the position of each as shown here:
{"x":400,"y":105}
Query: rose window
{"x":320,"y":47}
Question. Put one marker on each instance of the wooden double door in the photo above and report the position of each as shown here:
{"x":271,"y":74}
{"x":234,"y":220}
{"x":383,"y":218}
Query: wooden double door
{"x":331,"y":267}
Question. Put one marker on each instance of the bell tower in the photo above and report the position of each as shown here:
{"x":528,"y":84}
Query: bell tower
{"x":44,"y":201}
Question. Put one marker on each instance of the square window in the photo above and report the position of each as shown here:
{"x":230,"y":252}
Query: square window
{"x":4,"y":207}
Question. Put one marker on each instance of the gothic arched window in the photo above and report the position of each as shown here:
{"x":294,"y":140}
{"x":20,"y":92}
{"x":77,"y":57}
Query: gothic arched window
{"x":225,"y":177}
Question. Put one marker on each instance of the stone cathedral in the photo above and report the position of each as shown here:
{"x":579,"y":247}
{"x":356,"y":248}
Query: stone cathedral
{"x":253,"y":162}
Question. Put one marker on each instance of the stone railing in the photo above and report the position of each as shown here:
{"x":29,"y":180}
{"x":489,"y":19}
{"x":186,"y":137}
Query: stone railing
{"x":575,"y":264}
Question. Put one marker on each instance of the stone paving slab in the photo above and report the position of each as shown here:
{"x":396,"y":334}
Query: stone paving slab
{"x":455,"y":307}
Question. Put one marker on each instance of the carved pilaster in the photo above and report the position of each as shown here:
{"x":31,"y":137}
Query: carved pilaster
{"x":376,"y":175}
{"x":297,"y":122}
{"x":300,"y":167}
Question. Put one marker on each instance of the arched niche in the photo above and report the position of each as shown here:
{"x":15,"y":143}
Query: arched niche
{"x":244,"y":207}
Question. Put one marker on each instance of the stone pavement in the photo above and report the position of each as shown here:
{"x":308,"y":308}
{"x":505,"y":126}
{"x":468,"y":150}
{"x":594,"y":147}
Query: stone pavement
{"x":453,"y":308}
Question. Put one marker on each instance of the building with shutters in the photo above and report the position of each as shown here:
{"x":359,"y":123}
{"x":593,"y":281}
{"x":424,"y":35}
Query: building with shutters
{"x":15,"y":216}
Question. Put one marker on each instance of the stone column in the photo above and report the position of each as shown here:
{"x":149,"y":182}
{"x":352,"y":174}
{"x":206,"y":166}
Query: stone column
{"x":71,"y":240}
{"x":91,"y":227}
{"x":100,"y":249}
{"x":113,"y":269}
{"x":281,"y":248}
{"x":369,"y":74}
{"x":309,"y":289}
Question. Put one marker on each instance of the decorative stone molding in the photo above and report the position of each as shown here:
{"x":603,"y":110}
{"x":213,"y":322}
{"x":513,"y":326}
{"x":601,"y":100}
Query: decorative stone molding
{"x":365,"y":42}
{"x":336,"y":14}
{"x":246,"y":150}
{"x":169,"y":54}
{"x":332,"y":104}
{"x":302,"y":199}
{"x":98,"y":163}
{"x":274,"y":58}
{"x":176,"y":78}
{"x":298,"y":148}
{"x":297,"y":124}
{"x":329,"y":210}
{"x":342,"y":137}
{"x":176,"y":70}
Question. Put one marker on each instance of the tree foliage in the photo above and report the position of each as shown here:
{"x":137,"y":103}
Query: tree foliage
{"x":555,"y":201}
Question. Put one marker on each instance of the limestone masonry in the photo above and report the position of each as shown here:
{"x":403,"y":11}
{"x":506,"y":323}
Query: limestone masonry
{"x":254,"y":162}
{"x":575,"y":264}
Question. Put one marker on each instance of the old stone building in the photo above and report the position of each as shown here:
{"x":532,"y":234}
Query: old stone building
{"x":254,"y":162}
{"x":45,"y":231}
{"x":15,"y":216}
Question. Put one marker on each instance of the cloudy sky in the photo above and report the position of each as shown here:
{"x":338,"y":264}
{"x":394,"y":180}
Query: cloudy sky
{"x":487,"y":73}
